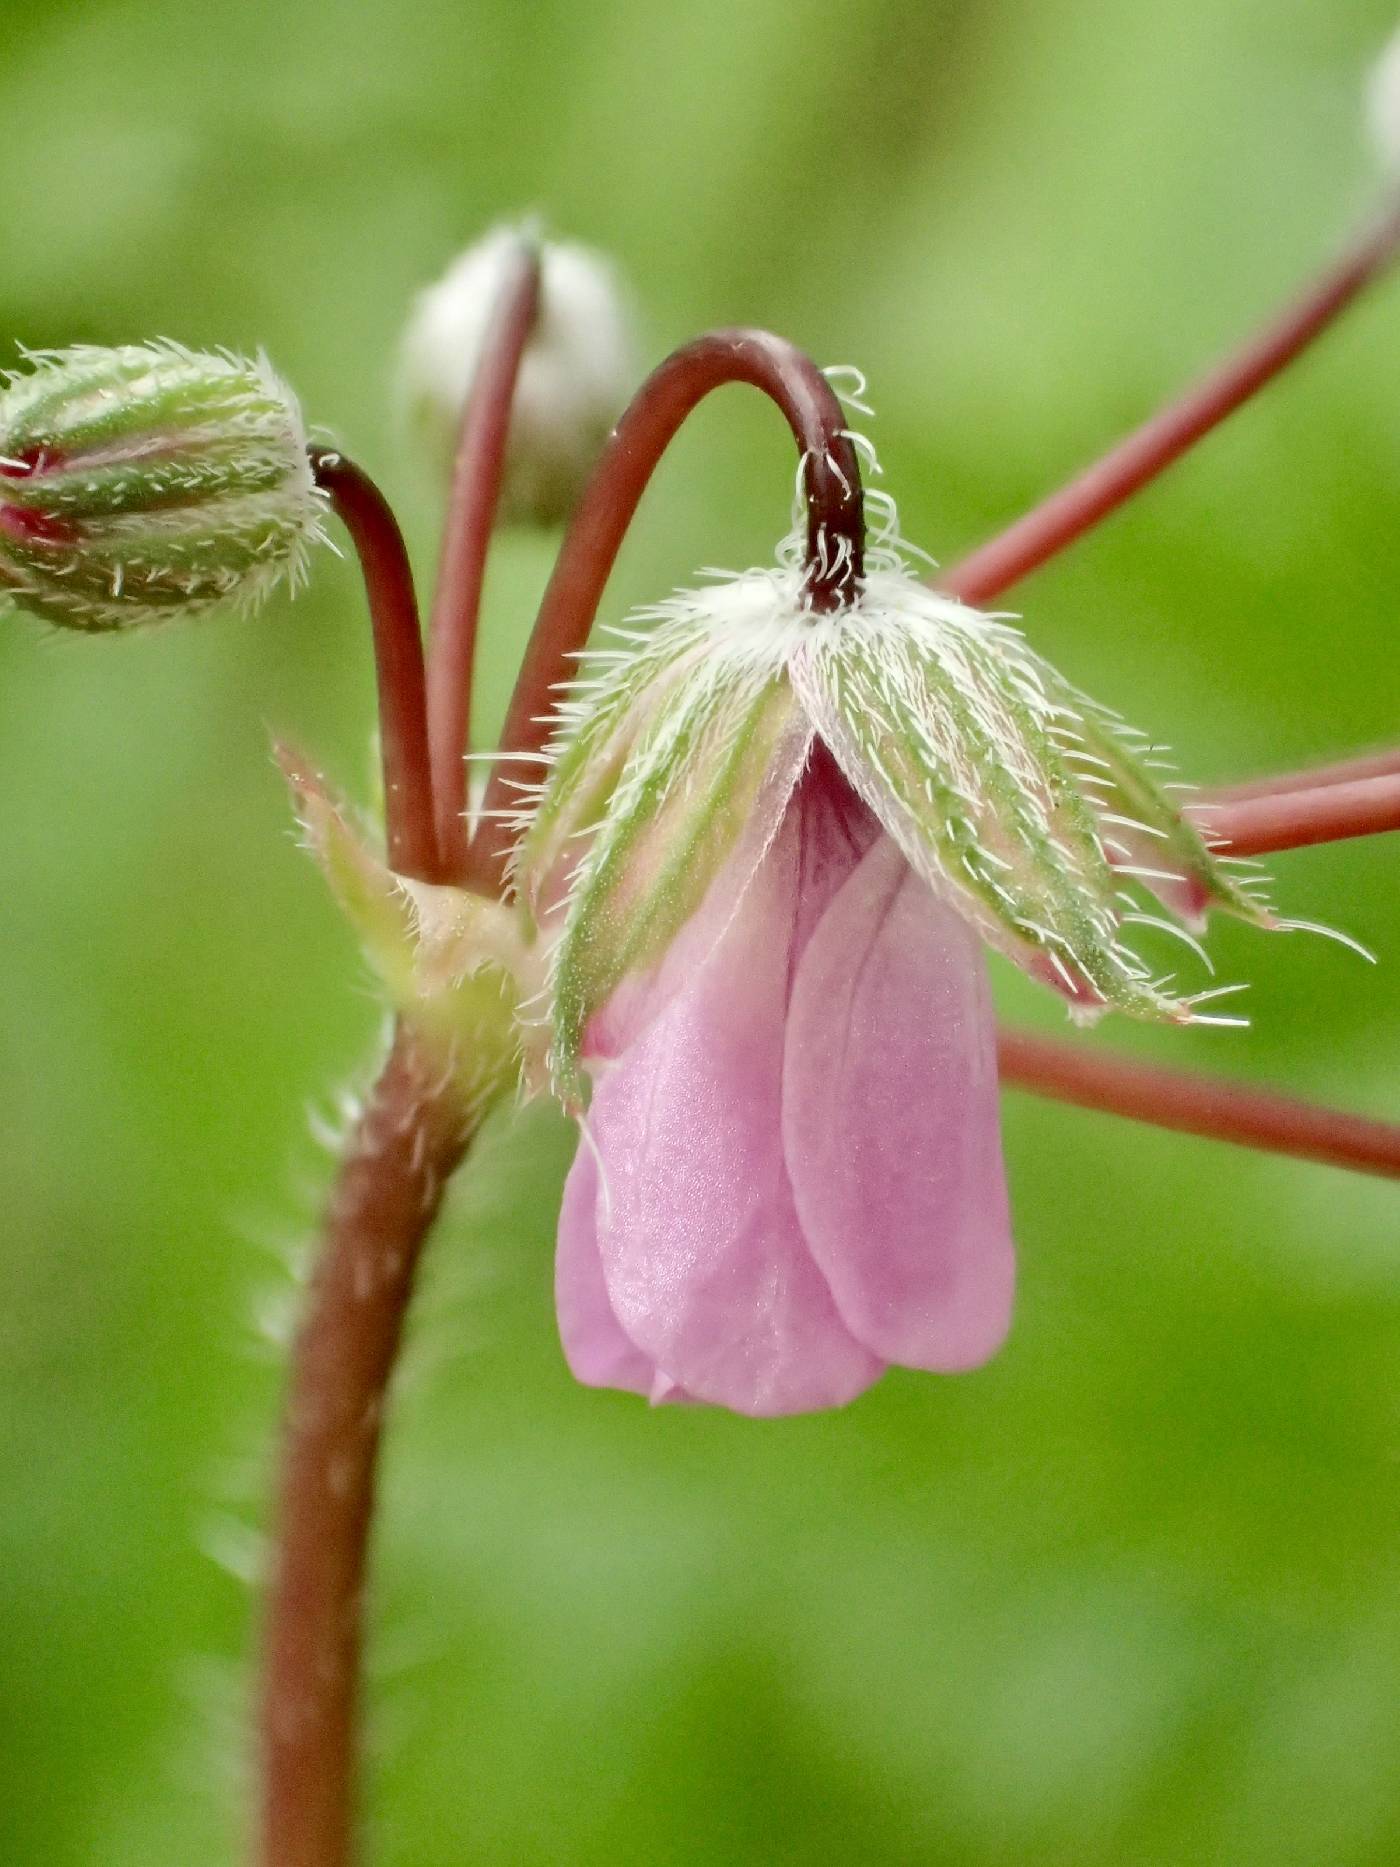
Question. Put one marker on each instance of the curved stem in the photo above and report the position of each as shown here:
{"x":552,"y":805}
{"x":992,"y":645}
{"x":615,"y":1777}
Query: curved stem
{"x":1264,"y":822}
{"x":1097,"y":492}
{"x":398,"y":654}
{"x":471,"y":514}
{"x":1190,"y":1104}
{"x":834,"y":505}
{"x":412,"y":1134}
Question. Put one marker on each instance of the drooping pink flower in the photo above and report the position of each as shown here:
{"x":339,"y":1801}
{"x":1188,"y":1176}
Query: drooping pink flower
{"x":768,"y":856}
{"x":793,"y":1171}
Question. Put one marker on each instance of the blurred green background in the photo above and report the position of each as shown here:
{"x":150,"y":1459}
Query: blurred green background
{"x":1131,"y":1594}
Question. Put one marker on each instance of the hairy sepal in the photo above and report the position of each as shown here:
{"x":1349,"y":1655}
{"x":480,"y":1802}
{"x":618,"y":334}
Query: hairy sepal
{"x":450,"y":961}
{"x":717,"y":748}
{"x":598,"y":719}
{"x":940,"y":719}
{"x":1145,"y":834}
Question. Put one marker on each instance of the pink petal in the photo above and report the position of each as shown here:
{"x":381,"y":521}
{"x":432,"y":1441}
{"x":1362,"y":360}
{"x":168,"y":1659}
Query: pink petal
{"x":705,"y":1261}
{"x":597,"y":1348}
{"x":891,"y":1122}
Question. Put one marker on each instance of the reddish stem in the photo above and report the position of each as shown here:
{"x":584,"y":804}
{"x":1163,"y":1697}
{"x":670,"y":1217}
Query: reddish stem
{"x":471,"y":514}
{"x":1295,"y":819}
{"x":1189,"y":1104}
{"x":1152,"y":448}
{"x":398,"y":654}
{"x":1369,"y":765}
{"x":411,"y":1136}
{"x":835,"y":522}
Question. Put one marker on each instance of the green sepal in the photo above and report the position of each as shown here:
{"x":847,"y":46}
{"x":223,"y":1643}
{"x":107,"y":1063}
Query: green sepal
{"x":598,"y":721}
{"x":718,"y":743}
{"x":450,"y":961}
{"x":940,"y":720}
{"x":1140,"y":825}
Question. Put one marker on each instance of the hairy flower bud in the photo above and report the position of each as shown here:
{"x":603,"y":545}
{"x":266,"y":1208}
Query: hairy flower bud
{"x":575,"y":374}
{"x":150,"y":482}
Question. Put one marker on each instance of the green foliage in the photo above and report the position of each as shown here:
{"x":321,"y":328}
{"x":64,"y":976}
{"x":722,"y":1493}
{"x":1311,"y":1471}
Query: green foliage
{"x":1129,"y":1594}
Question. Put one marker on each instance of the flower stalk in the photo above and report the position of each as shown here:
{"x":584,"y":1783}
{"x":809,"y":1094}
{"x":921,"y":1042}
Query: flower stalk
{"x":834,"y":520}
{"x":1093,"y":1078}
{"x":1148,"y":451}
{"x":1382,"y":764}
{"x":1264,"y":822}
{"x":413,"y":1133}
{"x":471,"y":516}
{"x":398,"y":655}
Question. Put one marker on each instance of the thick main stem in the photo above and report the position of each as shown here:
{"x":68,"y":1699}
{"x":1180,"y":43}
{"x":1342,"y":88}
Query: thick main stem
{"x":1093,"y":1078}
{"x":411,"y":1136}
{"x":398,"y":655}
{"x":471,"y":514}
{"x":1097,"y":492}
{"x":834,"y":508}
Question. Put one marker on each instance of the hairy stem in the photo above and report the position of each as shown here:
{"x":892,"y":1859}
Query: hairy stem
{"x":835,"y":522}
{"x":1136,"y":461}
{"x":412,"y":1134}
{"x":471,"y":514}
{"x":398,"y":655}
{"x":1264,"y":822}
{"x":1177,"y":1099}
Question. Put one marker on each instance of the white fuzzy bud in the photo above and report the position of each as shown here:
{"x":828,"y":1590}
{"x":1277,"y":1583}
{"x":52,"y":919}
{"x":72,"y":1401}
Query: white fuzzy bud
{"x":1383,"y":107}
{"x":575,"y":375}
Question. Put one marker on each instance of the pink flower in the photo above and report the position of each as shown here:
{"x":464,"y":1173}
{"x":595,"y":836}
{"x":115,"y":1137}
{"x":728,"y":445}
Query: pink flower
{"x":792,"y":1176}
{"x":767,"y":855}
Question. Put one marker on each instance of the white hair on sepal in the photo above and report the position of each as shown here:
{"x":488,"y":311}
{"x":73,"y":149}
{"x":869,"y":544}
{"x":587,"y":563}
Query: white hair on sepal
{"x":1138,"y":919}
{"x":1327,"y":933}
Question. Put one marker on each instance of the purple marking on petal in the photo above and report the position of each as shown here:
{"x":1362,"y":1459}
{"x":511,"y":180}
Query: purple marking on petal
{"x":706,"y":1265}
{"x":891,"y":1122}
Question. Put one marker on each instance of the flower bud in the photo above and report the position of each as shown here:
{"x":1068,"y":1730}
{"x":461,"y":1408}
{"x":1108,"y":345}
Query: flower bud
{"x":150,"y":482}
{"x":575,"y":374}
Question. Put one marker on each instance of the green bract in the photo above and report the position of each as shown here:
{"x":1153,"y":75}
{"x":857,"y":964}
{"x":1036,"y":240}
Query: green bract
{"x":451,"y":962}
{"x":1031,"y":809}
{"x":148,"y":482}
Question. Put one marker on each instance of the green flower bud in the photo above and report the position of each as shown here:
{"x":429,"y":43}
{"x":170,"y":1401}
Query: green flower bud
{"x":150,"y":482}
